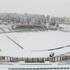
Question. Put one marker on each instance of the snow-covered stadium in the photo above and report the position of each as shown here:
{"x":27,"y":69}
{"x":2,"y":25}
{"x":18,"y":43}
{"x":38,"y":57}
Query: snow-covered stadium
{"x":34,"y":44}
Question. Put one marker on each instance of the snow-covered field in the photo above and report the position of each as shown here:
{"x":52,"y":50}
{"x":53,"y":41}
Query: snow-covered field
{"x":35,"y":44}
{"x":34,"y":41}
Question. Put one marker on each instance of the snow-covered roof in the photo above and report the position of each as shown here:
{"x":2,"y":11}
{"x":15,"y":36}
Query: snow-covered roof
{"x":34,"y":41}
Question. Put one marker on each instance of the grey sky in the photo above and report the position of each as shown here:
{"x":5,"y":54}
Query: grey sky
{"x":51,"y":7}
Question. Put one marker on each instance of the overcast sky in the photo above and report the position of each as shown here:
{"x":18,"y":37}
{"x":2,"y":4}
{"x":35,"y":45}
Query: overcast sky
{"x":50,"y":7}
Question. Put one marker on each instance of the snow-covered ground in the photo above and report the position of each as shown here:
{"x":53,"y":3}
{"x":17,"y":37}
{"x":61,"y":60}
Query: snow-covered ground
{"x":34,"y":41}
{"x":65,"y":27}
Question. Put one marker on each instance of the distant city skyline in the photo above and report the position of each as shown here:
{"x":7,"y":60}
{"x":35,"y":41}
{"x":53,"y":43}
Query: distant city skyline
{"x":58,"y":8}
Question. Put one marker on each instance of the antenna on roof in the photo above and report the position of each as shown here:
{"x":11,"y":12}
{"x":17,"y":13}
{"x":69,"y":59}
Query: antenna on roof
{"x":15,"y":42}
